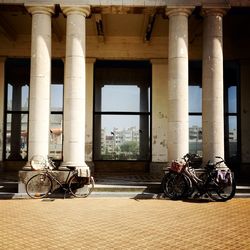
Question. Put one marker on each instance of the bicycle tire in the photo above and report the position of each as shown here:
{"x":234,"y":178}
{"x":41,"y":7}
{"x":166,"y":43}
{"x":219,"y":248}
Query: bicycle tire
{"x":222,"y":192}
{"x":164,"y":181}
{"x":39,"y":186}
{"x":176,"y":186}
{"x":78,"y":187}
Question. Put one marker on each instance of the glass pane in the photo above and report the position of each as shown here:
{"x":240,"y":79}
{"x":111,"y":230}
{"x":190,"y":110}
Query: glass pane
{"x":9,"y":97}
{"x":56,"y":97}
{"x":195,"y":135}
{"x":17,"y":97}
{"x":16,"y":136}
{"x":232,"y":99}
{"x":122,"y":98}
{"x":56,"y":136}
{"x":122,"y":137}
{"x":232,"y":135}
{"x":195,"y":99}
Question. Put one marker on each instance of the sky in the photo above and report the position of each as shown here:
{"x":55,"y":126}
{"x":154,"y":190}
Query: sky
{"x":120,"y":98}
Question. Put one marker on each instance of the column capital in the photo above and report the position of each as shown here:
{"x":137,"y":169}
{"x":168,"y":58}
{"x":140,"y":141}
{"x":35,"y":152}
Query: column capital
{"x":39,"y":9}
{"x":76,"y":9}
{"x":178,"y":11}
{"x":208,"y":11}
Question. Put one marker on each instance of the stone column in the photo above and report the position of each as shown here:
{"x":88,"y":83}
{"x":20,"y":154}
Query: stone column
{"x":75,"y":86}
{"x":212,"y":85}
{"x":178,"y":142}
{"x":40,"y":78}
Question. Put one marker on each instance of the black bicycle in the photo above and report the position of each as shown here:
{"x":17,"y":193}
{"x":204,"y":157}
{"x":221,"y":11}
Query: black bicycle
{"x":41,"y":185}
{"x":216,"y":181}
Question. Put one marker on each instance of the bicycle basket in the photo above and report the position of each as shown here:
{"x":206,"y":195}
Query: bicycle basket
{"x":224,"y":177}
{"x":176,"y":166}
{"x":83,"y":172}
{"x":37,"y":162}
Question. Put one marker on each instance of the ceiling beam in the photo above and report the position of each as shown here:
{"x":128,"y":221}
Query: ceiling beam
{"x":150,"y":26}
{"x":99,"y":27}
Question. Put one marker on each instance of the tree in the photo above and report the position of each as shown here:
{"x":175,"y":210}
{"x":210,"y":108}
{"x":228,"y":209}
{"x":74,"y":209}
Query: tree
{"x":130,"y":146}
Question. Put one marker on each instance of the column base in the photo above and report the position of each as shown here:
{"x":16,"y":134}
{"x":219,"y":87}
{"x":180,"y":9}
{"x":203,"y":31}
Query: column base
{"x":68,"y":165}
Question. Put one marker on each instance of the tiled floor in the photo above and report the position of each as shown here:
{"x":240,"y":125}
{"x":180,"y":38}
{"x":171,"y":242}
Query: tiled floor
{"x":122,"y":223}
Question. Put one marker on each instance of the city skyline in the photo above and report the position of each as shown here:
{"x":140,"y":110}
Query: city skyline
{"x":126,"y":98}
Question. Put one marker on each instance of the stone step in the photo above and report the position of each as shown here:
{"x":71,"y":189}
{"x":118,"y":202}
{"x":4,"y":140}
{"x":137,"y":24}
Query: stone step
{"x":242,"y":191}
{"x":122,"y":188}
{"x":8,"y":186}
{"x":128,"y":187}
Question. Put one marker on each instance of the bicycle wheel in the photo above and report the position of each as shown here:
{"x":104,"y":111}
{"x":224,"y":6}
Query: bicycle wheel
{"x":39,"y":186}
{"x":164,"y":181}
{"x":176,"y":186}
{"x":79,"y":187}
{"x":221,"y":191}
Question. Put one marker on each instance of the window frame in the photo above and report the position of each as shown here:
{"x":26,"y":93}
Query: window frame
{"x":227,"y":114}
{"x":195,"y":67}
{"x":57,"y":72}
{"x":132,"y":113}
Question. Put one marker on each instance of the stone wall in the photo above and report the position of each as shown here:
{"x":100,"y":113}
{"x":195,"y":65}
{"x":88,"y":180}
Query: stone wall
{"x":159,"y":110}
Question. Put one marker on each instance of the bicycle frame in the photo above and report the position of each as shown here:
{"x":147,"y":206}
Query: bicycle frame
{"x":183,"y":182}
{"x":196,"y":182}
{"x":202,"y":186}
{"x":46,"y":181}
{"x":54,"y":178}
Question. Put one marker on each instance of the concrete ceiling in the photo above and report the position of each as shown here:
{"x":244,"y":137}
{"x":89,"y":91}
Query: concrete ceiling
{"x":15,"y":21}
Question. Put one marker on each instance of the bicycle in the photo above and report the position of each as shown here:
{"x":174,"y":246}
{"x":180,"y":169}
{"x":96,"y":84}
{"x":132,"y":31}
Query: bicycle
{"x":182,"y":181}
{"x":41,"y":185}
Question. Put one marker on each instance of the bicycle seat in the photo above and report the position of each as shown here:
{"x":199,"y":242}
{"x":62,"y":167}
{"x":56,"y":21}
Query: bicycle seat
{"x":210,"y":165}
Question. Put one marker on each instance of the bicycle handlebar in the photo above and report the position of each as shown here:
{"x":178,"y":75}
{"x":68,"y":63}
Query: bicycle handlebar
{"x":219,"y":157}
{"x":219,"y":162}
{"x":188,"y":157}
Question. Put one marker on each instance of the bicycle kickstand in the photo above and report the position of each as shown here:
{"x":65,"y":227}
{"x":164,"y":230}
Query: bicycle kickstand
{"x":65,"y":191}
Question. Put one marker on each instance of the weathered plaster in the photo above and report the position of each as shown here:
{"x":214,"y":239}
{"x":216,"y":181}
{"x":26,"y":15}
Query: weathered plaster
{"x":159,"y":110}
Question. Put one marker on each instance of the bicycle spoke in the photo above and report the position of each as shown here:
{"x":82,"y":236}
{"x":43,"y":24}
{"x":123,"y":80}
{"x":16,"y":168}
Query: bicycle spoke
{"x":176,"y":186}
{"x":79,"y":188}
{"x":221,"y":191}
{"x":39,"y":186}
